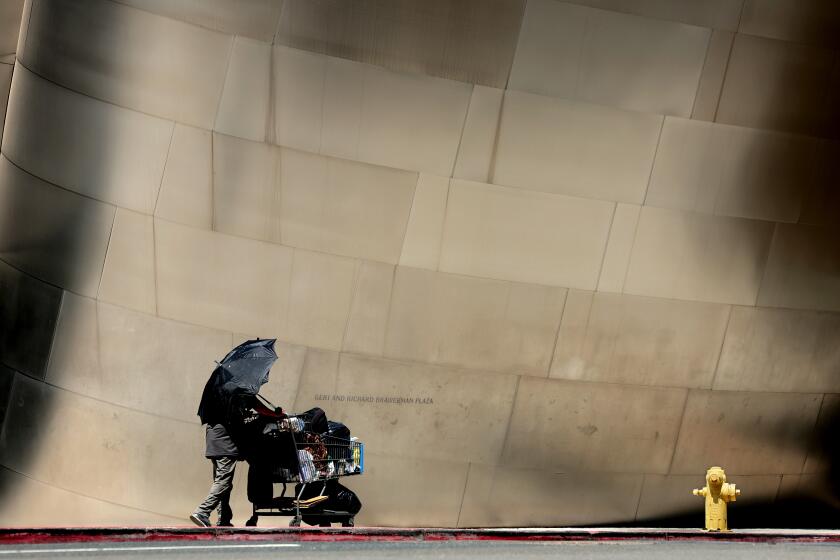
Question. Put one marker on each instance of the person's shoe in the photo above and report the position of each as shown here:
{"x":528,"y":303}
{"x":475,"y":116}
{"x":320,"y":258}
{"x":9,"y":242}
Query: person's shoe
{"x":224,"y":524}
{"x":200,"y":520}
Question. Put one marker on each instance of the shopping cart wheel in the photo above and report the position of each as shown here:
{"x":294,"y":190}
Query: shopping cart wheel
{"x":295,"y":522}
{"x":349,"y":522}
{"x":252,"y":522}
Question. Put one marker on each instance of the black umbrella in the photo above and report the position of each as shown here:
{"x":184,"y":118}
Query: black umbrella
{"x":248,"y":364}
{"x":243,"y":370}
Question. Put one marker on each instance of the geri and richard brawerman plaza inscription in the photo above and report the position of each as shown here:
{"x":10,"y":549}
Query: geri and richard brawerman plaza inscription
{"x":373,"y":399}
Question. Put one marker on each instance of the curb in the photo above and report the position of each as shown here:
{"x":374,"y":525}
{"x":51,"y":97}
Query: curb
{"x":10,"y":536}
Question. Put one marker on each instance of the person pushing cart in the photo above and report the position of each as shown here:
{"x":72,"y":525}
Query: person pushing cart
{"x":305,"y":449}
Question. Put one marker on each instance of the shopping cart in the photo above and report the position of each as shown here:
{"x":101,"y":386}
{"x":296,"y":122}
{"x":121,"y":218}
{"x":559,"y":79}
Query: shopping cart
{"x":293,"y":454}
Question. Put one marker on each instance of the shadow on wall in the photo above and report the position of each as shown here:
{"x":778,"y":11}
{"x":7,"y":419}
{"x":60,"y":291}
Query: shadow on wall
{"x":825,"y":441}
{"x":46,"y":246}
{"x":809,"y":502}
{"x":28,"y":314}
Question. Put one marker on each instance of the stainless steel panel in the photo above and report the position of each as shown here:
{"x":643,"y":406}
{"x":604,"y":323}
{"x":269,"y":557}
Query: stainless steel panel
{"x":574,"y":148}
{"x":524,"y":236}
{"x":783,"y":350}
{"x":128,"y":276}
{"x":821,"y":204}
{"x":96,"y":149}
{"x":820,"y":455}
{"x":478,"y":140}
{"x":358,"y":111}
{"x":320,"y":296}
{"x":7,"y":377}
{"x":803,"y":269}
{"x":10,"y":14}
{"x":245,"y":194}
{"x":746,"y":432}
{"x":310,"y":201}
{"x":473,"y":322}
{"x":250,"y":18}
{"x":129,"y":57}
{"x":777,"y":85}
{"x":583,"y":427}
{"x":718,"y":14}
{"x":433,"y":488}
{"x":609,"y":58}
{"x":298,"y":105}
{"x":411,"y":122}
{"x":220,"y":281}
{"x":244,"y":107}
{"x":5,"y":86}
{"x":186,"y":191}
{"x":617,"y":338}
{"x":28,"y":315}
{"x":732,"y":171}
{"x":134,"y":360}
{"x":619,"y":247}
{"x":468,"y":40}
{"x":29,"y":503}
{"x":412,"y":410}
{"x":129,"y":465}
{"x":506,"y":497}
{"x":50,"y":233}
{"x":711,"y":79}
{"x":692,"y":256}
{"x":422,"y":239}
{"x":342,"y":207}
{"x":815,"y":21}
{"x":368,"y":321}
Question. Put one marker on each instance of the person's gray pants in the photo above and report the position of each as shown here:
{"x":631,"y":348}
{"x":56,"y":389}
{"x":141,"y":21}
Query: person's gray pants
{"x":219,"y":496}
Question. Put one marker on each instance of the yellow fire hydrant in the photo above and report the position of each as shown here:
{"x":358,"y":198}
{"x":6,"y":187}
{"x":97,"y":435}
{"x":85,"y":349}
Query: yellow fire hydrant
{"x":717,"y":493}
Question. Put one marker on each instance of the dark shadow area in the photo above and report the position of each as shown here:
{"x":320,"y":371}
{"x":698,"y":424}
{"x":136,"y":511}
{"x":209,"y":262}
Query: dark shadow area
{"x":28,"y":316}
{"x":812,"y":504}
{"x":817,"y":506}
{"x":7,"y":377}
{"x":786,"y":513}
{"x":26,"y":410}
{"x":825,"y":449}
{"x":808,"y":262}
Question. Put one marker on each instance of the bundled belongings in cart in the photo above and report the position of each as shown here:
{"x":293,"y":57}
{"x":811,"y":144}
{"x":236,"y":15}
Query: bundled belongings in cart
{"x":311,"y":452}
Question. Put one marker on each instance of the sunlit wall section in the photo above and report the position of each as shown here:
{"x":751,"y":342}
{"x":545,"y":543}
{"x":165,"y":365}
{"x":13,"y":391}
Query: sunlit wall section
{"x":549,"y":260}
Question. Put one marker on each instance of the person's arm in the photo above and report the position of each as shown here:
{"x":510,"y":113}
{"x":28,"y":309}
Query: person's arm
{"x":263,"y":410}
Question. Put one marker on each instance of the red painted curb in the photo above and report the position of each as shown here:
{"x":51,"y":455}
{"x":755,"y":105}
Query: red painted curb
{"x":11,"y":536}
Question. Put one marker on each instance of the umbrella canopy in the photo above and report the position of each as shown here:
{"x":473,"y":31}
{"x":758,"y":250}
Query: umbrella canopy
{"x":243,"y":370}
{"x":248,"y":364}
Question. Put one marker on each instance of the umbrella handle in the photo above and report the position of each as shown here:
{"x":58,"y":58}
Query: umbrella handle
{"x":266,"y":401}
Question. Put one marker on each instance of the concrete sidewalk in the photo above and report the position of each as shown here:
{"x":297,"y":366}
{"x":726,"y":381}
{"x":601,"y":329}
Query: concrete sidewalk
{"x":43,"y":535}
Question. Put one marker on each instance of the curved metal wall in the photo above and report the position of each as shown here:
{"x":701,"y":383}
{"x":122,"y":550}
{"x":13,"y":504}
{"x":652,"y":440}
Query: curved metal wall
{"x":549,"y":259}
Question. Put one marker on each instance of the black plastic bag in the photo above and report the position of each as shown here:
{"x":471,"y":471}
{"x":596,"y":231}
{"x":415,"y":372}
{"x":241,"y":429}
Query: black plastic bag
{"x":339,"y":430}
{"x":317,"y":419}
{"x":344,"y":499}
{"x":342,"y":502}
{"x":260,"y":487}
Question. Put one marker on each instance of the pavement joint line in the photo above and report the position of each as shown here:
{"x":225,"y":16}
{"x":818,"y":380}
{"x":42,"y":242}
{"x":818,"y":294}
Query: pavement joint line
{"x":148,"y":548}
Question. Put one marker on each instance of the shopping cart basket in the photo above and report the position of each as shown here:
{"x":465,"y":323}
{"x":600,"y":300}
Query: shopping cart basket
{"x":314,"y":463}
